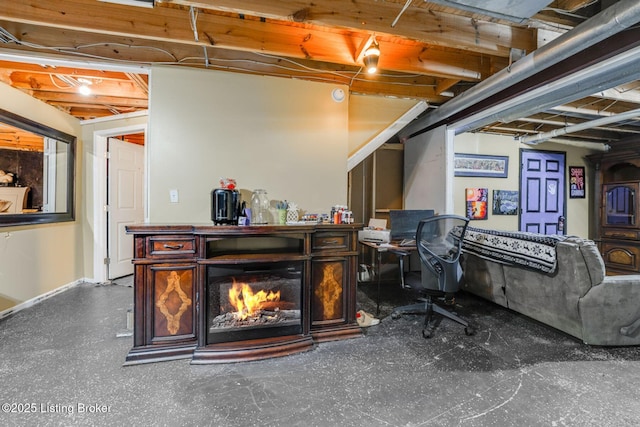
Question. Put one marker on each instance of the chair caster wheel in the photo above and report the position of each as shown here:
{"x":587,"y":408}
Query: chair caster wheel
{"x":395,"y":315}
{"x":427,"y":333}
{"x":468,"y":331}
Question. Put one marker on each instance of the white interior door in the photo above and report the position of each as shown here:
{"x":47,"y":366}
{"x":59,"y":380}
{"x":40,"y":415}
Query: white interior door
{"x":125,"y":203}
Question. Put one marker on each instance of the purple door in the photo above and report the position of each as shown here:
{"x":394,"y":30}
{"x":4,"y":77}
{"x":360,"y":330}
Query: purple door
{"x":542,"y":191}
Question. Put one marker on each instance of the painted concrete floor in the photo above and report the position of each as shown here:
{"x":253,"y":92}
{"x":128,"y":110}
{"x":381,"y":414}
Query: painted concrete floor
{"x":61,"y":365}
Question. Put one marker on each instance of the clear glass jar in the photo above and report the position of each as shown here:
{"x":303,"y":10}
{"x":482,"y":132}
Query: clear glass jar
{"x":260,"y":207}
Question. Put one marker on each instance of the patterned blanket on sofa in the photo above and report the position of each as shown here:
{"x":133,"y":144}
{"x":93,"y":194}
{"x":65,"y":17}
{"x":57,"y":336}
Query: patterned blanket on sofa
{"x":529,"y":250}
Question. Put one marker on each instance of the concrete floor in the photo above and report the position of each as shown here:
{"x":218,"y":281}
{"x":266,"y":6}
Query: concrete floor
{"x":62,"y":359}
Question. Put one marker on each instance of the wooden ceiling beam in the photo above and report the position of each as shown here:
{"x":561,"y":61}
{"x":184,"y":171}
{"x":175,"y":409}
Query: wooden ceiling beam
{"x":94,"y":107}
{"x":405,"y":91}
{"x":68,"y":98}
{"x":410,"y":58}
{"x":19,"y":139}
{"x":54,"y":83}
{"x":172,"y":26}
{"x":89,"y":113}
{"x":46,"y":69}
{"x":418,"y":23}
{"x":445,"y":84}
{"x":570,"y":5}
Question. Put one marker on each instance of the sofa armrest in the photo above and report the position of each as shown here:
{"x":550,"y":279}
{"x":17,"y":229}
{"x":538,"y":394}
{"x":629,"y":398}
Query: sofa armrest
{"x":610,"y":312}
{"x":592,"y":259}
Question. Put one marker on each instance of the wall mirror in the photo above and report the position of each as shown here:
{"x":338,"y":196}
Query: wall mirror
{"x":37,"y":170}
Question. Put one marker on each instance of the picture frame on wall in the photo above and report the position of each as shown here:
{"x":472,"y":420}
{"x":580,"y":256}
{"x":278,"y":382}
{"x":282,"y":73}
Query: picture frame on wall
{"x":505,"y":202}
{"x":477,"y":203}
{"x":576,"y":182}
{"x":480,"y":165}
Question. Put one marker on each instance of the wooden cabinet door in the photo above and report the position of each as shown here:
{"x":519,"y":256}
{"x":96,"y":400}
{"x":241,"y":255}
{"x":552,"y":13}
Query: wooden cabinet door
{"x":328,"y":294}
{"x":172,"y":287}
{"x":620,"y":257}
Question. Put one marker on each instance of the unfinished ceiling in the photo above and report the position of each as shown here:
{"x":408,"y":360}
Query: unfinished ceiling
{"x":432,"y":51}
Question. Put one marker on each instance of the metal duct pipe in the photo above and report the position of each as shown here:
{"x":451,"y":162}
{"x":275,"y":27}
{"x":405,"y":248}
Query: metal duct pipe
{"x":612,"y":20}
{"x":613,"y":72}
{"x":557,"y":123}
{"x":596,"y":146}
{"x":534,"y":139}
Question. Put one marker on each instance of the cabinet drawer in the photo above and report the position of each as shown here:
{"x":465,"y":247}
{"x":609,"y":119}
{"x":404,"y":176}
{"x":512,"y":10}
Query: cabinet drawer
{"x":171,"y":246}
{"x":330,"y":241}
{"x":621,"y":257}
{"x":621,"y":234}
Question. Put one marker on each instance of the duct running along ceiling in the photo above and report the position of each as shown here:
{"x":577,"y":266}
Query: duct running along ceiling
{"x":512,"y":10}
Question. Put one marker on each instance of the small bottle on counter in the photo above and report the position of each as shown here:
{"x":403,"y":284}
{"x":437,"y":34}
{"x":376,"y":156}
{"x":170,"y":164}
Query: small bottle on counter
{"x":337,"y":216}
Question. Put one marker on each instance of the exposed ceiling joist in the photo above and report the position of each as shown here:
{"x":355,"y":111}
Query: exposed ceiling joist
{"x":430,"y":52}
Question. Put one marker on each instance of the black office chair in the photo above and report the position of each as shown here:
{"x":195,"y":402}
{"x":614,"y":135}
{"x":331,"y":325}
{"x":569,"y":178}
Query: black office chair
{"x":439,"y":242}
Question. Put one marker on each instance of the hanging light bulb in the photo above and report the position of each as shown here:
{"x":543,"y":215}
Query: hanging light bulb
{"x":371,"y":56}
{"x":84,"y":90}
{"x":84,"y":86}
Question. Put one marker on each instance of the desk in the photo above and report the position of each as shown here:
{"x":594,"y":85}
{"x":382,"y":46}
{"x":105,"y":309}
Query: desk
{"x":394,"y":248}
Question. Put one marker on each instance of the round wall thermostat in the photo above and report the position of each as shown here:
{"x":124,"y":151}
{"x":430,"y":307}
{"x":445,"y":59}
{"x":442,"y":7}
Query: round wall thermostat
{"x":338,"y":95}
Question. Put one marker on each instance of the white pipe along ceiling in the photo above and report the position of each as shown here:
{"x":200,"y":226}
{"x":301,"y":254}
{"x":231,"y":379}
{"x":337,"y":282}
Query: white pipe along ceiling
{"x":534,"y":139}
{"x":607,"y":23}
{"x":617,"y":70}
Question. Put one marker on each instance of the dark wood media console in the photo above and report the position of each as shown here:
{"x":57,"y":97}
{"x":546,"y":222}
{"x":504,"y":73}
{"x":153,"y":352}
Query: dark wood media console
{"x":185,"y":276}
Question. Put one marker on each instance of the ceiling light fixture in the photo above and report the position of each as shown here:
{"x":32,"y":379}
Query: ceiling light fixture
{"x":371,"y":56}
{"x":84,"y":90}
{"x":84,"y":86}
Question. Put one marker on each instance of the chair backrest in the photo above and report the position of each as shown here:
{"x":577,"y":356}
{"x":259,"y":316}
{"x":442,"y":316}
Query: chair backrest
{"x":439,"y":244}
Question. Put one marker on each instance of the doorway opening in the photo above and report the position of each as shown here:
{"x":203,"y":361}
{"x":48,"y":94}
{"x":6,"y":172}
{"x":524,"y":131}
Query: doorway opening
{"x":542,"y":189}
{"x":101,"y":253}
{"x":125,"y":178}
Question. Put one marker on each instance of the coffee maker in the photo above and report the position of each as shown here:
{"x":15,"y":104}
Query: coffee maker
{"x":225,"y":205}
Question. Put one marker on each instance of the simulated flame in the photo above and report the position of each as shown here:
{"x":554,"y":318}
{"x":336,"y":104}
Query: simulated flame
{"x":246,"y":302}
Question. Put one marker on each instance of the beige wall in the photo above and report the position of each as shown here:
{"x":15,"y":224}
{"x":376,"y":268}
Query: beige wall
{"x":578,"y":210}
{"x":426,"y":172}
{"x":286,"y":136}
{"x":368,"y":115}
{"x":38,"y":259}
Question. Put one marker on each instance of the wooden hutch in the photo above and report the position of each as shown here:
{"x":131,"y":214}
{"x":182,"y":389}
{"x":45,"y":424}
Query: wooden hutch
{"x":617,"y":184}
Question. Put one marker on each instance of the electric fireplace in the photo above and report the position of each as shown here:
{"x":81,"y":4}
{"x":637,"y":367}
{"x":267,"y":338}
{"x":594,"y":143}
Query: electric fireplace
{"x":253,"y":301}
{"x":219,"y":294}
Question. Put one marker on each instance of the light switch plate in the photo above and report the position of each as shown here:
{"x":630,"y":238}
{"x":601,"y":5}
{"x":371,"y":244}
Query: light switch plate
{"x":173,"y":196}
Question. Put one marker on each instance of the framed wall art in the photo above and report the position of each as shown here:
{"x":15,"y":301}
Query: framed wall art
{"x":505,"y":202}
{"x":576,"y":182}
{"x":477,"y":202}
{"x":480,"y":165}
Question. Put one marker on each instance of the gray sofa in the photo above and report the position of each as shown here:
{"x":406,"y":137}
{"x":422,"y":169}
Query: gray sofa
{"x":556,"y":280}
